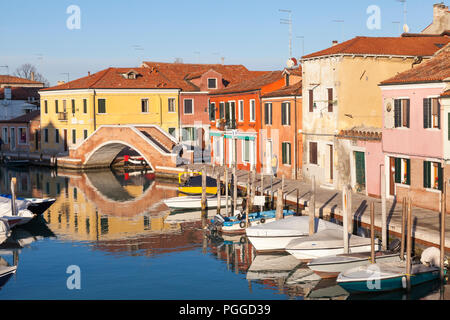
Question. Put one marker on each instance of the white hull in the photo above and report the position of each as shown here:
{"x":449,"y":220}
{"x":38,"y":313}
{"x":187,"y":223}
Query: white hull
{"x":268,"y":244}
{"x":194,"y":202}
{"x":309,"y":254}
{"x":188,"y":216}
{"x":338,"y":265}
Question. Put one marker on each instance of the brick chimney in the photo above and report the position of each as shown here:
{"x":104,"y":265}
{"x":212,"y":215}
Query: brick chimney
{"x":32,"y":76}
{"x":61,"y":82}
{"x":335,"y":42}
{"x":441,"y":20}
{"x":439,"y":10}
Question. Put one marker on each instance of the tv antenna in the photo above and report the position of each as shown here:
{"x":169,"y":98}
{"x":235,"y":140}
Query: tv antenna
{"x":405,"y":13}
{"x":288,"y":22}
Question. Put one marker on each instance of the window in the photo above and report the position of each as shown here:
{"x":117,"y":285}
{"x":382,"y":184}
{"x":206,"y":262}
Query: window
{"x":172,"y":131}
{"x":64,"y":106}
{"x":286,"y":153}
{"x":432,"y":175}
{"x":189,"y":134}
{"x":171,"y":105}
{"x":268,"y":113}
{"x":5,"y":135}
{"x":212,"y":111}
{"x":46,"y":135}
{"x":330,"y":100}
{"x":101,"y":105}
{"x":311,"y":100}
{"x":286,"y":114}
{"x":212,"y":83}
{"x":252,"y":111}
{"x":403,"y":171}
{"x":56,"y":135}
{"x":22,"y":135}
{"x":222,"y":110}
{"x":56,"y":106}
{"x":401,"y":113}
{"x":73,"y":106}
{"x":241,"y":110}
{"x":45,"y":106}
{"x":84,"y":105}
{"x":144,"y":105}
{"x":188,"y":106}
{"x":74,"y":136}
{"x":313,"y":152}
{"x":230,"y":114}
{"x":85,"y":134}
{"x":246,"y":150}
{"x":431,"y":113}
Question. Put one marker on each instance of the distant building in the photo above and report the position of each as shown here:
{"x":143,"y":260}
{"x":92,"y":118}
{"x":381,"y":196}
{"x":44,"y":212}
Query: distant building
{"x":441,"y":20}
{"x":12,"y":81}
{"x":17,"y":101}
{"x":21,"y":134}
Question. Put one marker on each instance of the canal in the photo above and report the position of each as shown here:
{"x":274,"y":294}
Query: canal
{"x":114,"y":231}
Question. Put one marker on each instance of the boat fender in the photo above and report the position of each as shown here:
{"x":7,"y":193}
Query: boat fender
{"x":242,"y":224}
{"x":262,"y":220}
{"x":431,"y":257}
{"x":404,"y":282}
{"x":242,"y":240}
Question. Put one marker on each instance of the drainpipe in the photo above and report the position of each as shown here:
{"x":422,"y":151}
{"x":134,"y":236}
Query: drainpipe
{"x":295,"y":139}
{"x":95,"y":122}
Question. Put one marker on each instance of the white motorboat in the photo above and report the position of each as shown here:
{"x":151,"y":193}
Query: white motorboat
{"x":22,"y":217}
{"x":187,"y":216}
{"x":195,"y":202}
{"x":331,"y":266}
{"x":26,"y":209}
{"x":274,"y":236}
{"x":271,"y":267}
{"x":6,"y":271}
{"x":5,"y":230}
{"x":327,"y":243}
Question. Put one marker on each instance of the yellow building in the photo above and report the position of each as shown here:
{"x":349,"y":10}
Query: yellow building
{"x":70,"y":112}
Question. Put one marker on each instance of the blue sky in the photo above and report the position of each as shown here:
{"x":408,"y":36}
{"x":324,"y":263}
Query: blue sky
{"x":243,"y":32}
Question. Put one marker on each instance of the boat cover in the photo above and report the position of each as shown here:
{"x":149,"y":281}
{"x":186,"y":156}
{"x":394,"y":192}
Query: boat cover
{"x":5,"y":206}
{"x":292,"y":227}
{"x":327,"y":239}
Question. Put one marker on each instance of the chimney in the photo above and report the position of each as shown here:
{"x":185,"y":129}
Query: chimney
{"x":89,"y":73}
{"x":60,"y":82}
{"x":335,"y":42}
{"x":32,"y":76}
{"x":222,"y":60}
{"x":439,"y":10}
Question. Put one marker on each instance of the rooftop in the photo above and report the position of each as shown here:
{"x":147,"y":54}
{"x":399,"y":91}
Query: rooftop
{"x":7,"y":79}
{"x":252,"y":84}
{"x":292,"y":90}
{"x":21,"y":93}
{"x":386,"y":46}
{"x":435,"y":69}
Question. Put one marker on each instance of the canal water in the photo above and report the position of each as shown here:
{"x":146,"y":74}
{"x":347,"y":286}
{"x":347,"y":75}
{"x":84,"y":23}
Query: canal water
{"x":109,"y":236}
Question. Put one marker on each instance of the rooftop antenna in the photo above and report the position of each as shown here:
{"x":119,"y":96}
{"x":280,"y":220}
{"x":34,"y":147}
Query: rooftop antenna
{"x":405,"y":12}
{"x":66,"y":73}
{"x":341,"y":21}
{"x":138,"y":47}
{"x":288,"y":22}
{"x":7,"y":68}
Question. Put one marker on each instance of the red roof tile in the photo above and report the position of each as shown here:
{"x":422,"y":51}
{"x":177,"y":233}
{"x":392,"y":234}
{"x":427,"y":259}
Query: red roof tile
{"x":6,"y":79}
{"x":292,"y":90}
{"x":435,"y":69}
{"x":252,"y":84}
{"x":398,"y":46}
{"x":446,"y":94}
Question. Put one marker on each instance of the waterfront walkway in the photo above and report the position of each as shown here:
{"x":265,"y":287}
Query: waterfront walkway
{"x":426,"y":223}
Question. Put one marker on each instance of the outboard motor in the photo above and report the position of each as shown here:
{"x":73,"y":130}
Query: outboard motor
{"x":216,"y":223}
{"x":394,"y":246}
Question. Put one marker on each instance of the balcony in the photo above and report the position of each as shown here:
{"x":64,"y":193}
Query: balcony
{"x":62,"y":116}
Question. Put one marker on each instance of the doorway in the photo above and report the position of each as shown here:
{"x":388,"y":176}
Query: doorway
{"x":391,"y":176}
{"x":65,"y":139}
{"x":268,"y":160}
{"x":360,"y":165}
{"x":13,"y":138}
{"x":331,"y":172}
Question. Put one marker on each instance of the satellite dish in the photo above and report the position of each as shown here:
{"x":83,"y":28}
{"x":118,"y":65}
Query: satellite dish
{"x":291,"y":63}
{"x":405,"y":28}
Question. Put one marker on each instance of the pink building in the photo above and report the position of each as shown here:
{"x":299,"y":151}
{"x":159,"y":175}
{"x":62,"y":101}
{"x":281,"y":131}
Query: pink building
{"x":414,"y":136}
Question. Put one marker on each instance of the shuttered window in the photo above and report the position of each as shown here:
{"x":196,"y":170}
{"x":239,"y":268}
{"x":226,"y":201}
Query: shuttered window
{"x":241,"y":110}
{"x":212,"y":111}
{"x":188,"y":106}
{"x":268,"y":113}
{"x":401,"y":113}
{"x":73,"y":106}
{"x":101,"y":106}
{"x":46,"y":106}
{"x":286,"y":153}
{"x":221,"y":110}
{"x":246,"y":150}
{"x":311,"y":100}
{"x":84,"y":105}
{"x":403,"y":171}
{"x":313,"y":152}
{"x":432,"y":175}
{"x":286,"y":114}
{"x":56,"y":106}
{"x":330,"y":100}
{"x":431,"y":113}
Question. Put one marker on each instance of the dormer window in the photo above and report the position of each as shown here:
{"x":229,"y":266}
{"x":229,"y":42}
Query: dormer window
{"x":130,"y":75}
{"x":212,"y":83}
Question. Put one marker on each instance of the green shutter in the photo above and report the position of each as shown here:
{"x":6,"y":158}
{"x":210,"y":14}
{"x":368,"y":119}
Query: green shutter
{"x":398,"y":170}
{"x":448,"y":114}
{"x":283,"y":153}
{"x":440,"y":177}
{"x":426,"y":174}
{"x":408,"y":173}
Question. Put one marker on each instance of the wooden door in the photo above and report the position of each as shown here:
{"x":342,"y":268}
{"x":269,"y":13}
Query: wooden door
{"x":360,"y":170}
{"x":331,"y":163}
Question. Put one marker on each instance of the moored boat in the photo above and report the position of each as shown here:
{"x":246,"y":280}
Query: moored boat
{"x":193,"y":185}
{"x":274,"y":236}
{"x":194,"y":202}
{"x":327,"y":243}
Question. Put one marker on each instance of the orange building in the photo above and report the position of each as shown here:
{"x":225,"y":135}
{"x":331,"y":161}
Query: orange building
{"x":282,"y":120}
{"x":238,"y":121}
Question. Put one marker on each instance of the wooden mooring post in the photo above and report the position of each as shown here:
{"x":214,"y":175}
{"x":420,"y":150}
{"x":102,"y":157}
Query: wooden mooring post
{"x":227,"y":196}
{"x":235,"y":182}
{"x":442,"y":242}
{"x":279,"y":207}
{"x":312,"y":206}
{"x":13,"y":197}
{"x":252,"y":188}
{"x":203,"y":202}
{"x":345,"y":218}
{"x":402,"y":242}
{"x":219,"y":193}
{"x":372,"y":232}
{"x":408,"y":245}
{"x":384,"y":235}
{"x":247,"y":207}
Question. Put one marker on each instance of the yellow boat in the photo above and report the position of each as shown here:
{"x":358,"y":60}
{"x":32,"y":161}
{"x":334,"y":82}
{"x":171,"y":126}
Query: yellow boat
{"x":193,"y":185}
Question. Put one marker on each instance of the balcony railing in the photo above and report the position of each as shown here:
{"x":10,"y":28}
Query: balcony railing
{"x":62,"y":116}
